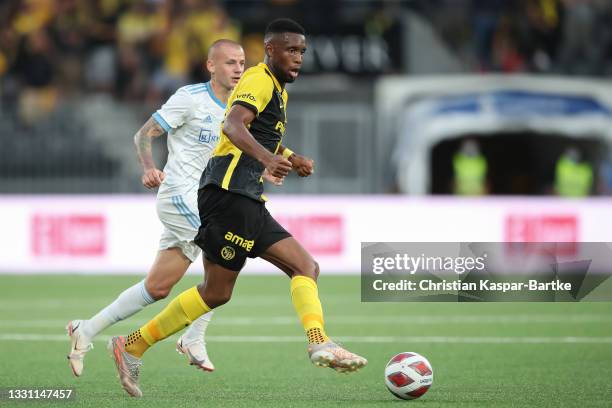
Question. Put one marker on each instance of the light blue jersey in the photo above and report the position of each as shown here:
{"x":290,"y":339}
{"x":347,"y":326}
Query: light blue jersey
{"x":192,"y":117}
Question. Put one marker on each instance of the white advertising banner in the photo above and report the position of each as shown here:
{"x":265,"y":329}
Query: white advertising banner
{"x":119,"y":234}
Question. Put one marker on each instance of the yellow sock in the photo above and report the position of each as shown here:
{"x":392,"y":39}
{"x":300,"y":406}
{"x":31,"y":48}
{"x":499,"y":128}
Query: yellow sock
{"x":135,"y":344}
{"x":305,"y":298}
{"x":179,"y":313}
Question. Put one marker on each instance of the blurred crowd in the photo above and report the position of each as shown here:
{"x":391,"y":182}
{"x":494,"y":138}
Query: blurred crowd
{"x":559,"y":36}
{"x":143,"y":50}
{"x":133,"y":49}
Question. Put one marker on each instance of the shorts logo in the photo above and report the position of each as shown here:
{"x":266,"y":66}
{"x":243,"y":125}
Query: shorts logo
{"x":238,"y":240}
{"x":228,"y":253}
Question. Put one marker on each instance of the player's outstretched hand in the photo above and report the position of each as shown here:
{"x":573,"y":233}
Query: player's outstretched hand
{"x":153,"y":178}
{"x":278,"y":166}
{"x":302,"y":165}
{"x":277,"y":181}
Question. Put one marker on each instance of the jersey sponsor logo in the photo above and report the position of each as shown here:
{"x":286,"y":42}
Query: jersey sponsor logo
{"x":228,"y":253}
{"x":238,"y":240}
{"x":280,"y":126}
{"x":207,"y":119}
{"x":247,"y":96}
{"x":207,"y":136}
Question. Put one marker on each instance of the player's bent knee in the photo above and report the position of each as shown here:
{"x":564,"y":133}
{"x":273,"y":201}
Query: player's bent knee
{"x":311,"y":270}
{"x":216,"y":298}
{"x":157,"y":291}
{"x":316,"y":270}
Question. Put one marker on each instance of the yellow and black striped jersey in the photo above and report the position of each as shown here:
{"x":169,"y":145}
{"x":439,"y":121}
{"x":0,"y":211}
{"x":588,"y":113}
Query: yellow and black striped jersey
{"x":231,"y":169}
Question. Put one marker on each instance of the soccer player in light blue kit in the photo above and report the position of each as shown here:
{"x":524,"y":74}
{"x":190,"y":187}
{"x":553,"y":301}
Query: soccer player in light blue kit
{"x":191,"y":118}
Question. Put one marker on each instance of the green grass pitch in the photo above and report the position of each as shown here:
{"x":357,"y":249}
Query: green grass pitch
{"x":483,"y":355}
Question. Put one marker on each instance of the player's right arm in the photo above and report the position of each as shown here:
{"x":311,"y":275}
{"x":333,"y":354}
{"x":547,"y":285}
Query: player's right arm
{"x":172,"y":115}
{"x":235,"y":128}
{"x":152,"y":177}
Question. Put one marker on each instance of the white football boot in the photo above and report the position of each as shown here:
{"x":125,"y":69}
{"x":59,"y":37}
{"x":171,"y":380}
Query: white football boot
{"x":330,"y":354}
{"x":79,"y":346}
{"x":196,"y":353}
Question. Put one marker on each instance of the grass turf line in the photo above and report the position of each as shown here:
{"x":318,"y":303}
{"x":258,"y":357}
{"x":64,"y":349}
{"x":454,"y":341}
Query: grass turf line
{"x":279,"y":374}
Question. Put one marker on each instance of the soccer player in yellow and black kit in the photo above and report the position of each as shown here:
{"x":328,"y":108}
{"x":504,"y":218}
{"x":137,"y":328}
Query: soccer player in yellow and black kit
{"x":235,"y":222}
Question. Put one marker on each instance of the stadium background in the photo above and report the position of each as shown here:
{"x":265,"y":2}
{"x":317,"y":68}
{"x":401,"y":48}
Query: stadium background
{"x":390,"y":90}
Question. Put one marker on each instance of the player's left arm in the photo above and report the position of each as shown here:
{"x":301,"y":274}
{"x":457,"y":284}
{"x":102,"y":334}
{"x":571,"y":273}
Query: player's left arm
{"x":304,"y":166}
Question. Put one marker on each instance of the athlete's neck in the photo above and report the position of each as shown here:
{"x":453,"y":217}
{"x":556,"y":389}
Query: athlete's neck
{"x":274,"y":72}
{"x":220,"y":92}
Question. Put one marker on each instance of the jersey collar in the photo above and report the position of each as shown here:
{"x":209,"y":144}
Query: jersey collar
{"x":276,"y":83}
{"x":212,"y":95}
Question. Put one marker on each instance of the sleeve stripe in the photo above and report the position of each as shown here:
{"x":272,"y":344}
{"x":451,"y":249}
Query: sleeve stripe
{"x":190,"y":87}
{"x":162,"y":122}
{"x":197,"y":90}
{"x":248,"y":106}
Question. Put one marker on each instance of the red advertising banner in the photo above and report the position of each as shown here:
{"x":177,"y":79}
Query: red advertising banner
{"x":68,"y":235}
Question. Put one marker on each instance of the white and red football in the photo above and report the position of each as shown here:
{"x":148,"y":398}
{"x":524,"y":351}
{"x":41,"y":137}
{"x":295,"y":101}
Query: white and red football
{"x":408,"y":375}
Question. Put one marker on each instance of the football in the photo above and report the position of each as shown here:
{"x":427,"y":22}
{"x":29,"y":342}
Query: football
{"x":408,"y":375}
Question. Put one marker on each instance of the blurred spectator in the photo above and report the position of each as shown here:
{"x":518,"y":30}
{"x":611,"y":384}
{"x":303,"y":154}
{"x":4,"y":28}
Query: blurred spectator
{"x":253,"y":49}
{"x":485,"y":17}
{"x":573,"y":176}
{"x":207,"y":23}
{"x":35,"y":66}
{"x":605,"y":178}
{"x":66,"y":30}
{"x":8,"y":48}
{"x":470,"y":170}
{"x":32,"y":16}
{"x":578,"y":54}
{"x":173,"y":72}
{"x":136,"y":32}
{"x":101,"y":61}
{"x":506,"y":56}
{"x":541,"y":33}
{"x":192,"y":26}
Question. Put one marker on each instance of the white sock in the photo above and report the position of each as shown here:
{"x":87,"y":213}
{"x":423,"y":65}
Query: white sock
{"x":197,"y":329}
{"x":129,"y":302}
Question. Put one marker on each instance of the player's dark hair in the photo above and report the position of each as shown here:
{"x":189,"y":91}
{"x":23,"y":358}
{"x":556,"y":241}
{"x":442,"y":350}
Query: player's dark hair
{"x":284,"y":25}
